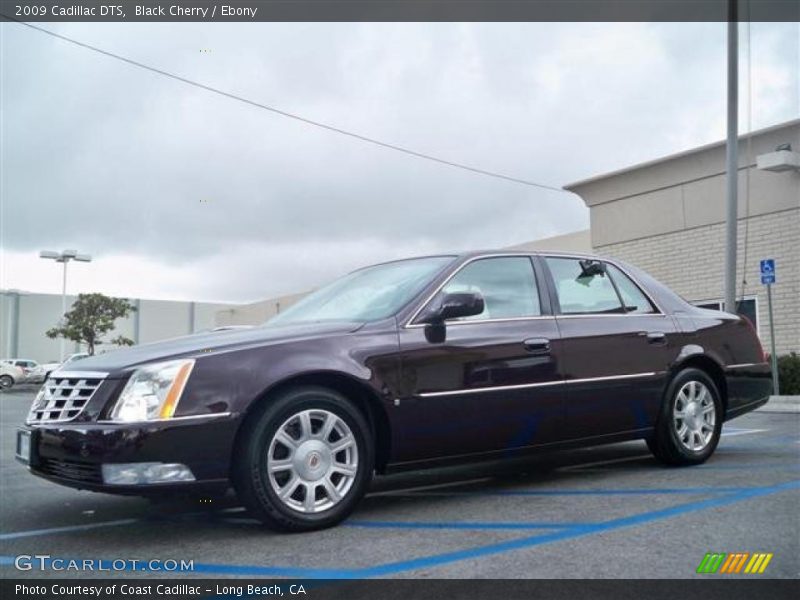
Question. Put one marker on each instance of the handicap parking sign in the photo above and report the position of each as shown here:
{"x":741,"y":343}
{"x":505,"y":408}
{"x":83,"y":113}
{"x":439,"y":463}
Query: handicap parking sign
{"x":768,"y":271}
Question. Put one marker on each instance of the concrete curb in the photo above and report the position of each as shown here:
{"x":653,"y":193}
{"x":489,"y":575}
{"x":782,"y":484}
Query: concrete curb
{"x":781,"y":404}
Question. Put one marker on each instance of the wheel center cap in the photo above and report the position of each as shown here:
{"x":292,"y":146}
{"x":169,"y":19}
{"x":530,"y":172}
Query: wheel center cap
{"x":312,"y":460}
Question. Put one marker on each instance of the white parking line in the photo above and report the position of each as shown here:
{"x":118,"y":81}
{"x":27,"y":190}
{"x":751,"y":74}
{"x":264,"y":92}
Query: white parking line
{"x":605,"y":462}
{"x":420,"y":488}
{"x":68,"y":528}
{"x":726,"y":432}
{"x":732,"y":432}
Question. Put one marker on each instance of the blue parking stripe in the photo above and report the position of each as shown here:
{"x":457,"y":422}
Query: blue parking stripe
{"x":491,"y":549}
{"x":598,"y":492}
{"x":751,"y":466}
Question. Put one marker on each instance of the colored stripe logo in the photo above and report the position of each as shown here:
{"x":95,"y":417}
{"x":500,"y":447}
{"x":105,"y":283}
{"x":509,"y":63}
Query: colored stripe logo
{"x":736,"y":562}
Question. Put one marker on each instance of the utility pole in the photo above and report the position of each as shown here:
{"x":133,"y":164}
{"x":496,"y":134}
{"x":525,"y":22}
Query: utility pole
{"x":732,"y":158}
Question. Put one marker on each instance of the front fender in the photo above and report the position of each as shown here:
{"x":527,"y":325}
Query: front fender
{"x":231,"y":381}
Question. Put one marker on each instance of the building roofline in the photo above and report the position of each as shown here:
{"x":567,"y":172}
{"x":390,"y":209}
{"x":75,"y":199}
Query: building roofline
{"x":570,"y":187}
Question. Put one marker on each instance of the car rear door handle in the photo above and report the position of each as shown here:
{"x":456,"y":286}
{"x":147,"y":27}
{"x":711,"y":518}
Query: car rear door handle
{"x":659,"y":338}
{"x":537,"y":345}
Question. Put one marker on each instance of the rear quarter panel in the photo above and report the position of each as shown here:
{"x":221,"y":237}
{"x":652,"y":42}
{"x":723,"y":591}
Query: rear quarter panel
{"x":732,"y":343}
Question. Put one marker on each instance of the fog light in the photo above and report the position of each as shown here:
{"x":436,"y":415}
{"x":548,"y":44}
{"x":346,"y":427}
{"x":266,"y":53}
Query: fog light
{"x":145,"y":472}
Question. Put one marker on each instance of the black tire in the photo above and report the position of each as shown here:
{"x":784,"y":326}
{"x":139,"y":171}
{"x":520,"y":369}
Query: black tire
{"x":6,"y":382}
{"x":249,"y":463}
{"x":666,"y":444}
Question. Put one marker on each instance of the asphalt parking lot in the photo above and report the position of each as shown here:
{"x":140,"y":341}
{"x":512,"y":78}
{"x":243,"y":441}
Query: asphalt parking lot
{"x":606,"y":512}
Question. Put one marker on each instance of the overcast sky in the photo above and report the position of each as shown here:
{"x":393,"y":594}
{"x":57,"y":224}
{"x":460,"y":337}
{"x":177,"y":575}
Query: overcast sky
{"x":182,"y":194}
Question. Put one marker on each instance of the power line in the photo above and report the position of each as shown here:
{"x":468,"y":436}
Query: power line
{"x":289,"y":115}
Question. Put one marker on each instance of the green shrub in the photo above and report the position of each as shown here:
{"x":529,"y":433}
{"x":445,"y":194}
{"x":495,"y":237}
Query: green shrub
{"x":789,"y":374}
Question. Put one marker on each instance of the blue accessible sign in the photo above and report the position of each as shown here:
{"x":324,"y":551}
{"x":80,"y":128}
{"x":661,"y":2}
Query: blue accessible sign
{"x":768,"y":271}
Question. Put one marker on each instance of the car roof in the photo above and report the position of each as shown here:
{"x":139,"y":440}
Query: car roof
{"x":463,"y":256}
{"x":475,"y":253}
{"x":494,"y":252}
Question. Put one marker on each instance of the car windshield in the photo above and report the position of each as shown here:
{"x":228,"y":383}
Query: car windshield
{"x":365,"y":295}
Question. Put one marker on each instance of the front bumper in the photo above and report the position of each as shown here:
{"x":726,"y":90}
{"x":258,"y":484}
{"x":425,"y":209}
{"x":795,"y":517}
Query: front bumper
{"x":72,"y":454}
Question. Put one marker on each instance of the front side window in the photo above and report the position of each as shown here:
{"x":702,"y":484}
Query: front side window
{"x":507,"y":285}
{"x":581,"y":293}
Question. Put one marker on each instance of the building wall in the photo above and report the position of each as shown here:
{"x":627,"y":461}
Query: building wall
{"x":577,"y":241}
{"x":24,"y":318}
{"x":38,"y":313}
{"x":687,"y":190}
{"x":691,"y":262}
{"x":160,"y":319}
{"x":9,"y":306}
{"x":255,"y":313}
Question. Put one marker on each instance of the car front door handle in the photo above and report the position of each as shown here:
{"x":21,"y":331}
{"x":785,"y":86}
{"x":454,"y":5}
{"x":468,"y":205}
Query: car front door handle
{"x":539,"y":346}
{"x":659,"y":338}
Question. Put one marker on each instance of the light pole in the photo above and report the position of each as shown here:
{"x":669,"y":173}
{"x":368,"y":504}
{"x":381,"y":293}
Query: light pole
{"x":732,"y":158}
{"x":64,"y":257}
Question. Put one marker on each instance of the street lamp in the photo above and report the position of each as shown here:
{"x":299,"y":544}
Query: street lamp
{"x":64,"y":257}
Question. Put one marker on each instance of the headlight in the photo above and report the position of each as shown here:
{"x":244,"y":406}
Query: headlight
{"x":152,"y":392}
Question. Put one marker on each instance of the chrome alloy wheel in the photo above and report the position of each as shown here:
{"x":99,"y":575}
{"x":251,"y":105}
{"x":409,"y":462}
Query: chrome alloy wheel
{"x":694,"y":416}
{"x":312,"y":461}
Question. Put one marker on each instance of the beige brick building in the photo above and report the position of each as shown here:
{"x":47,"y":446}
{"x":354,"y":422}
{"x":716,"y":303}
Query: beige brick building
{"x":668,"y":217}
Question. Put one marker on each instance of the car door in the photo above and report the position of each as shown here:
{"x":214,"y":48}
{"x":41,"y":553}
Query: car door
{"x":617,"y":346}
{"x":494,"y":383}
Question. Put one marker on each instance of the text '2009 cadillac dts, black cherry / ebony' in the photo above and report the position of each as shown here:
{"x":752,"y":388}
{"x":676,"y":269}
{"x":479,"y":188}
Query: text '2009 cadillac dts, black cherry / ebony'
{"x":402,"y":365}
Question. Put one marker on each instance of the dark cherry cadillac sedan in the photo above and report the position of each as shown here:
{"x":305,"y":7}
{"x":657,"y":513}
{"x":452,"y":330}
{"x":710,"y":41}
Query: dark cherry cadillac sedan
{"x":400,"y":366}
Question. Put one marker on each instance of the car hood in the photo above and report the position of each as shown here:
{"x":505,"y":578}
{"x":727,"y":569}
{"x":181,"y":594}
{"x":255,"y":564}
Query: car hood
{"x":189,"y":345}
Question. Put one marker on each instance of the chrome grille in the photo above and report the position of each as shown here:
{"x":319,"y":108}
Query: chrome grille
{"x":62,"y":398}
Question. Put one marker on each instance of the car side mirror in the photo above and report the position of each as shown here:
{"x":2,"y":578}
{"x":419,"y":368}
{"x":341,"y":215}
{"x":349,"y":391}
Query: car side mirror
{"x":590,"y":268}
{"x":452,"y":306}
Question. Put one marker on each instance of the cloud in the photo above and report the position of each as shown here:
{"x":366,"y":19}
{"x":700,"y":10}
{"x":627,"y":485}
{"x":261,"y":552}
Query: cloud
{"x":183,"y":193}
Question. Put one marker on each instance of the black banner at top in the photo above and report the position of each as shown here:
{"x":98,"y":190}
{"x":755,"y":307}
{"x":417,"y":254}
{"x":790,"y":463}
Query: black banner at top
{"x":400,"y":10}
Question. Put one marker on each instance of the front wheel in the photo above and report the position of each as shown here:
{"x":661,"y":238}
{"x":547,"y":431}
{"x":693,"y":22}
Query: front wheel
{"x":305,"y":460}
{"x":688,"y":428}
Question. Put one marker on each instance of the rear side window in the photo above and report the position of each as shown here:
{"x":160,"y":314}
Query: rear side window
{"x":581,"y":294}
{"x":507,"y":284}
{"x":635,"y":301}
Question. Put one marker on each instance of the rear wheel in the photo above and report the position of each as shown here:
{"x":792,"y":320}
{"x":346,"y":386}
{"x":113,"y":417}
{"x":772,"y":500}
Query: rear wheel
{"x":690,"y":422}
{"x":6,"y":381}
{"x":305,"y":460}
